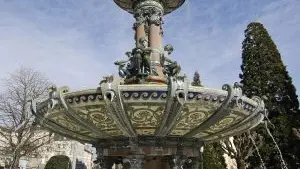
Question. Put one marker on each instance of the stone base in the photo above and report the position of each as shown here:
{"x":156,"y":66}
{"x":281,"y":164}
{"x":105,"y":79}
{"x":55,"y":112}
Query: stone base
{"x":149,"y":162}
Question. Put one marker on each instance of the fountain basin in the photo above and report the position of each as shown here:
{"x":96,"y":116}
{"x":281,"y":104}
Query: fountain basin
{"x":142,"y":111}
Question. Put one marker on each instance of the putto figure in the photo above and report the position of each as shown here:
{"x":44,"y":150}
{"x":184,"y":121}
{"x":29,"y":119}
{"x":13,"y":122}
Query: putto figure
{"x":171,"y":68}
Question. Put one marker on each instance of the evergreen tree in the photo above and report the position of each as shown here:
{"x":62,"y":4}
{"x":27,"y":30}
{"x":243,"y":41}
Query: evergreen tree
{"x":264,"y":75}
{"x":213,"y":157}
{"x":196,"y":79}
{"x":59,"y":162}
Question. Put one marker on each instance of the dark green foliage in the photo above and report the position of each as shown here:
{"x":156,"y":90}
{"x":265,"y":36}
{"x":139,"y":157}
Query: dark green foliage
{"x":263,"y":72}
{"x":59,"y":162}
{"x":196,"y":79}
{"x":213,"y":157}
{"x":264,"y":75}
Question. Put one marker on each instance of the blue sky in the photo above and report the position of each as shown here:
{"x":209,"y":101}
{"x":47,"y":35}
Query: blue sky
{"x":75,"y":42}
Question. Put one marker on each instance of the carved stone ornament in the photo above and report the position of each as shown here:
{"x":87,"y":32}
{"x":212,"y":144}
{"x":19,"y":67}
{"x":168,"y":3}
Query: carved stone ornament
{"x":139,"y":17}
{"x":149,"y":5}
{"x":148,"y":12}
{"x":155,"y":17}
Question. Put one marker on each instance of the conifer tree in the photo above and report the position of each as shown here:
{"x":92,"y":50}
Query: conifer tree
{"x":59,"y":162}
{"x":196,"y":79}
{"x":264,"y":75}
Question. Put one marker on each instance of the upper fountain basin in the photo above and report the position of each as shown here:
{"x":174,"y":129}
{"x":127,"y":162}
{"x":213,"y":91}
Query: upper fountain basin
{"x":149,"y":110}
{"x":168,"y":5}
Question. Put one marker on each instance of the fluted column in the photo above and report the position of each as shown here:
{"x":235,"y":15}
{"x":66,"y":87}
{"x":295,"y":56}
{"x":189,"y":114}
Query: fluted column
{"x":148,"y":35}
{"x":155,"y":32}
{"x":155,"y":38}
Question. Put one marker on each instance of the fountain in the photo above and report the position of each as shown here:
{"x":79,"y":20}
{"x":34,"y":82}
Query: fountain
{"x":149,"y":116}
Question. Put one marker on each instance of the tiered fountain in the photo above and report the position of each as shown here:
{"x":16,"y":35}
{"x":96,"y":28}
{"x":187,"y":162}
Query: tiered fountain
{"x":149,"y":116}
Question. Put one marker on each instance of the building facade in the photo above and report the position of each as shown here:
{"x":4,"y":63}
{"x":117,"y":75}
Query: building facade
{"x":80,"y":155}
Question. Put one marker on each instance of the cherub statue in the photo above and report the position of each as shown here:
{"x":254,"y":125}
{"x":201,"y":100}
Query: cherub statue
{"x":169,"y":49}
{"x":53,"y":97}
{"x":142,"y":54}
{"x":122,"y":66}
{"x":142,"y":43}
{"x":126,"y":67}
{"x":137,"y":60}
{"x":171,"y":68}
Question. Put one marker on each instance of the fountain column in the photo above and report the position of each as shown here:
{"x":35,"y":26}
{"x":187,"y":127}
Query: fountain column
{"x":155,"y":30}
{"x":139,"y":26}
{"x":148,"y":35}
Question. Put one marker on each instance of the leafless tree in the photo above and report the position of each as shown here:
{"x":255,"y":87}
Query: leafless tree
{"x":242,"y":147}
{"x":19,"y":134}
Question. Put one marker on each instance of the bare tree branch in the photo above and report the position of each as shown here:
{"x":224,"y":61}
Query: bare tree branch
{"x":16,"y":121}
{"x":241,"y":147}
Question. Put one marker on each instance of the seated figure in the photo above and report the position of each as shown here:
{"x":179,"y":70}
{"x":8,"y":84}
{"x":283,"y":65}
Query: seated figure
{"x":171,"y":68}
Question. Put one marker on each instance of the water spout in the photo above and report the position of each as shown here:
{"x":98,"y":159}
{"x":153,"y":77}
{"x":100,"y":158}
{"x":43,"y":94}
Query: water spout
{"x":256,"y":148}
{"x":283,"y":165}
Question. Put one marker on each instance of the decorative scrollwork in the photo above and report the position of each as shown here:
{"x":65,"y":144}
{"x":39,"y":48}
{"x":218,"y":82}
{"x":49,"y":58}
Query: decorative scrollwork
{"x":260,"y":104}
{"x":192,"y":116}
{"x":154,"y":95}
{"x":83,"y":98}
{"x":113,"y":102}
{"x":177,"y":94}
{"x":135,"y":95}
{"x":226,"y":122}
{"x":145,"y":95}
